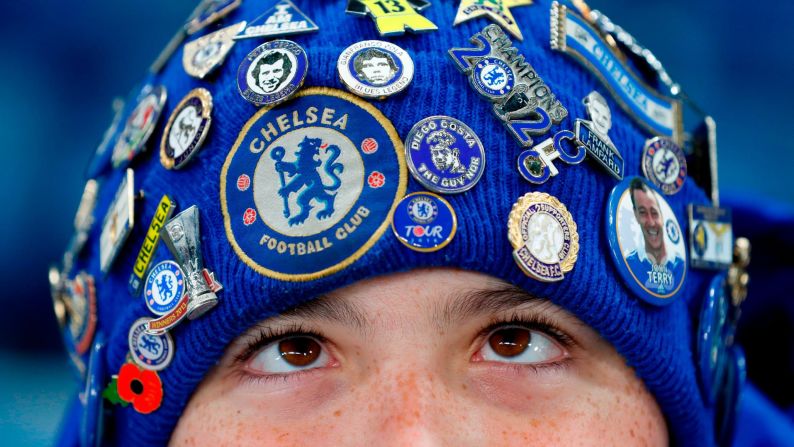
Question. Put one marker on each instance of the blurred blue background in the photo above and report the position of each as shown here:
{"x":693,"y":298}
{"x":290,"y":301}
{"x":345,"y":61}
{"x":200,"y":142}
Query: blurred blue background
{"x":64,"y":62}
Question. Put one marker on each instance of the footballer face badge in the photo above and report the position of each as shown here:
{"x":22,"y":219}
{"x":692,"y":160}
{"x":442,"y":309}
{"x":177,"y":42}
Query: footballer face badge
{"x":204,"y":54}
{"x":544,"y":237}
{"x":593,"y":134}
{"x":309,"y":185}
{"x":272,"y":72}
{"x":139,"y":126}
{"x":375,"y":69}
{"x":186,"y":129}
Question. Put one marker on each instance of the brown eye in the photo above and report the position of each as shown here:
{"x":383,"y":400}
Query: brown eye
{"x":299,"y":351}
{"x":510,"y":342}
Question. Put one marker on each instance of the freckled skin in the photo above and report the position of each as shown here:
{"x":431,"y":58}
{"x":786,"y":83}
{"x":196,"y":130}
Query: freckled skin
{"x":409,"y":384}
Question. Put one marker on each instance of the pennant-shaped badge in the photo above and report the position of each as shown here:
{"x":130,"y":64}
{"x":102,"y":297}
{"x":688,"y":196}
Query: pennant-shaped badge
{"x":281,"y":20}
{"x":498,"y":11}
{"x":394,"y":17}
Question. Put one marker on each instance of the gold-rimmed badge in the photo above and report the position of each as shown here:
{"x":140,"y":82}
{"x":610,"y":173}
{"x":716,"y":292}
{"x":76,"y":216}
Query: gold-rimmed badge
{"x":543,"y":235}
{"x":186,"y":129}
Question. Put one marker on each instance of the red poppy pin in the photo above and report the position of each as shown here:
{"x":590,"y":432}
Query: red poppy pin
{"x":140,"y":387}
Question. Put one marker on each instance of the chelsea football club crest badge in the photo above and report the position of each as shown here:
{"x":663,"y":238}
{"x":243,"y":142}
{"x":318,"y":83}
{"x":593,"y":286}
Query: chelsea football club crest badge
{"x":309,"y":185}
{"x":150,"y":351}
{"x":165,"y":286}
{"x":424,"y":222}
{"x":664,"y":164}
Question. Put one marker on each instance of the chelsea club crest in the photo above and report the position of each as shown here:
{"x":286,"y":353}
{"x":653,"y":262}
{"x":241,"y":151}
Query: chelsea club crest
{"x":302,"y":193}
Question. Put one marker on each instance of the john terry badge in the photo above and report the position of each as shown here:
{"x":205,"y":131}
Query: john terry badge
{"x":544,"y":237}
{"x":309,"y":186}
{"x":186,"y":129}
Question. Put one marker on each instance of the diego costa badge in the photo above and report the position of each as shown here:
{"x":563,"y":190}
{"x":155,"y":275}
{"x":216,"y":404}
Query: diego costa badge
{"x":148,"y":350}
{"x":444,"y":155}
{"x":272,"y":72}
{"x":424,"y":222}
{"x":645,"y":240}
{"x":309,"y":186}
{"x":165,"y":286}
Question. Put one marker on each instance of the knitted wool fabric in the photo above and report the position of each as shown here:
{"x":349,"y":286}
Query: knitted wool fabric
{"x":657,"y":342}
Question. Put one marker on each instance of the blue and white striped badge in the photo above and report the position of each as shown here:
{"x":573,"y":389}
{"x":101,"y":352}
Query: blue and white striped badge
{"x":572,"y":35}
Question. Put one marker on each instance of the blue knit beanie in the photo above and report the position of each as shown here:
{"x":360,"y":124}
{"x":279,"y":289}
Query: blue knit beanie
{"x":259,"y":281}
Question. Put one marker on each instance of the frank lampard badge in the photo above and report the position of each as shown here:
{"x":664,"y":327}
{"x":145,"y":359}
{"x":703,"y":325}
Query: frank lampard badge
{"x":664,"y":164}
{"x":375,"y":69}
{"x":710,"y":237}
{"x":272,"y":72}
{"x":281,"y":20}
{"x":309,"y":185}
{"x":150,"y":351}
{"x":201,"y":56}
{"x":424,"y":222}
{"x":593,"y":134}
{"x":544,"y":237}
{"x":393,"y":17}
{"x":139,"y":126}
{"x":444,"y":155}
{"x":645,"y":241}
{"x":118,"y":222}
{"x":186,"y":129}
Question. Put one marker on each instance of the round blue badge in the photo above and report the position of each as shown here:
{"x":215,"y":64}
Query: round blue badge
{"x":165,"y":286}
{"x":424,"y":222}
{"x":711,"y":342}
{"x":325,"y":172}
{"x":648,"y":252}
{"x":664,"y":164}
{"x":91,"y":425}
{"x":493,"y":78}
{"x":444,"y":155}
{"x":272,"y":72}
{"x":149,"y":351}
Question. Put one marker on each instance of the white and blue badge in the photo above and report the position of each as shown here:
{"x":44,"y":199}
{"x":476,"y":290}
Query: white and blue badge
{"x":165,"y":286}
{"x":424,"y":222}
{"x":201,"y":56}
{"x":664,"y":164}
{"x":544,"y":237}
{"x":710,"y":237}
{"x":500,"y":73}
{"x":272,"y":72}
{"x":645,"y":241}
{"x":118,"y":222}
{"x":444,"y":155}
{"x":186,"y":129}
{"x":593,"y":133}
{"x":714,"y":331}
{"x":375,"y":69}
{"x":208,"y":12}
{"x":150,"y":351}
{"x":573,"y":35}
{"x":536,"y":165}
{"x":139,"y":125}
{"x":281,"y":20}
{"x":309,"y":185}
{"x":78,"y":298}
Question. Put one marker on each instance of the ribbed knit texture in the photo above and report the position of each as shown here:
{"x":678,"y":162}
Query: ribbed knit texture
{"x":656,"y":341}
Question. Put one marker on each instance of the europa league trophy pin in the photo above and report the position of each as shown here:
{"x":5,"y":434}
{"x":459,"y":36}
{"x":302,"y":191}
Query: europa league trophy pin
{"x":182,"y":237}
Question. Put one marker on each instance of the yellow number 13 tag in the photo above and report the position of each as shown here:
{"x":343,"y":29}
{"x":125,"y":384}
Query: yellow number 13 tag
{"x":394,"y":17}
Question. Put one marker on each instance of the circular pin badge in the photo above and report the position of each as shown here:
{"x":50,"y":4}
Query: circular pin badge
{"x":424,"y":222}
{"x":444,"y":155}
{"x":148,"y":350}
{"x":139,"y":125}
{"x":544,"y":237}
{"x":493,"y":78}
{"x":375,"y":69}
{"x":272,"y":72}
{"x":711,"y":346}
{"x":186,"y":129}
{"x":81,"y":313}
{"x":165,"y":286}
{"x":645,"y":241}
{"x":664,"y":164}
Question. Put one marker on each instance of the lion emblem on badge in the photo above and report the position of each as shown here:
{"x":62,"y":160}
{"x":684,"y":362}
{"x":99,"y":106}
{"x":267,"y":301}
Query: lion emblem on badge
{"x":305,"y":179}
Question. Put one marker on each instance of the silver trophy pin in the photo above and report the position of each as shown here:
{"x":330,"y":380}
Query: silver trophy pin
{"x":182,"y":237}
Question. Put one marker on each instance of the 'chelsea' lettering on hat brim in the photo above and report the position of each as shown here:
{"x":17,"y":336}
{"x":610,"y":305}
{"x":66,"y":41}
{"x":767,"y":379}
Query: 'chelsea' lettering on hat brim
{"x":298,"y":221}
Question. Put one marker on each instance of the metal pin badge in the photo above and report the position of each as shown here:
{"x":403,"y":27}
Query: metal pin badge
{"x":394,"y":17}
{"x":139,"y":126}
{"x":208,"y":12}
{"x":281,"y":20}
{"x":497,"y":11}
{"x":201,"y":56}
{"x":664,"y":164}
{"x":272,"y":72}
{"x":186,"y":129}
{"x":424,"y":222}
{"x":710,"y":237}
{"x":118,"y":222}
{"x":593,"y":134}
{"x":162,"y":213}
{"x":375,"y":69}
{"x":536,"y":165}
{"x":183,"y":238}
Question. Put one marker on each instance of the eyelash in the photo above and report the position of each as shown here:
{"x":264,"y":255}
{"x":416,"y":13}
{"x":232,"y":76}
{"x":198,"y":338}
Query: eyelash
{"x":539,"y":323}
{"x":266,"y":335}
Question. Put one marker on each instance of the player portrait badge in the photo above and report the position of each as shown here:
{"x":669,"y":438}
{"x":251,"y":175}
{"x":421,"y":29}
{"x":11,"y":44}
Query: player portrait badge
{"x":593,"y":134}
{"x":139,"y":125}
{"x":544,"y":237}
{"x":150,"y":351}
{"x":165,"y":286}
{"x":281,"y":20}
{"x":664,"y":164}
{"x":272,"y":72}
{"x":424,"y":222}
{"x":309,"y":186}
{"x":375,"y":69}
{"x":645,"y":241}
{"x":201,"y":56}
{"x":444,"y":155}
{"x":118,"y":222}
{"x":186,"y":129}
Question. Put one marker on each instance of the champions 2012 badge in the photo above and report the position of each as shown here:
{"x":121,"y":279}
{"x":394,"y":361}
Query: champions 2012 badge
{"x":272,"y":72}
{"x":165,"y":286}
{"x":375,"y":69}
{"x":645,"y":241}
{"x":148,"y":350}
{"x":310,"y":185}
{"x":664,"y":164}
{"x":444,"y":155}
{"x":186,"y":129}
{"x":424,"y":222}
{"x":544,"y":237}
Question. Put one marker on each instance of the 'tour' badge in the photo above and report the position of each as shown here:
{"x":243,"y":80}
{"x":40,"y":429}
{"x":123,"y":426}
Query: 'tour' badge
{"x":424,"y":222}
